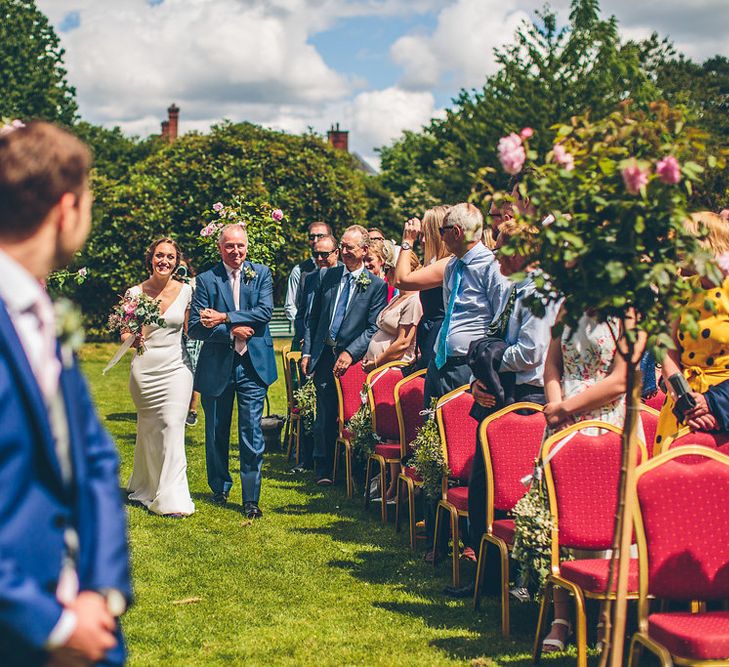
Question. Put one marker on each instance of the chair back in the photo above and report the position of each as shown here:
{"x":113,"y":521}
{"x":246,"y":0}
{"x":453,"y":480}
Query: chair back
{"x":381,"y":384}
{"x":582,"y":473}
{"x":685,"y":436}
{"x":409,"y":397}
{"x":510,"y":442}
{"x":458,"y":431}
{"x":289,"y":361}
{"x":682,"y":526}
{"x":649,"y":419}
{"x":349,"y":388}
{"x":657,"y":401}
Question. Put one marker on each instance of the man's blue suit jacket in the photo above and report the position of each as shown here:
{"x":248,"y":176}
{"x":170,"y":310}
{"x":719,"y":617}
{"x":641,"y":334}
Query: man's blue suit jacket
{"x":213,"y":290}
{"x":35,"y":507}
{"x":360,"y":319}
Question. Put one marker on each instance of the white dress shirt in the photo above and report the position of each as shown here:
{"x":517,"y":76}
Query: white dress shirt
{"x":355,"y":274}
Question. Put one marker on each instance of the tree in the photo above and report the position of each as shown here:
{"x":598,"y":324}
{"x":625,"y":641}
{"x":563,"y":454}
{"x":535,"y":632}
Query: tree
{"x":546,"y":75}
{"x":32,"y":77}
{"x":171,"y":192}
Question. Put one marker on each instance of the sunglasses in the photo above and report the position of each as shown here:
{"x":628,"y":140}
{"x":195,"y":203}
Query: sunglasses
{"x":444,"y":229}
{"x":322,"y":254}
{"x":316,"y":237}
{"x":377,"y":238}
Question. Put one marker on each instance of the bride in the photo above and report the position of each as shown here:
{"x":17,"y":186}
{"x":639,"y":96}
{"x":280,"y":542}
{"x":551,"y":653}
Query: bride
{"x":161,"y":384}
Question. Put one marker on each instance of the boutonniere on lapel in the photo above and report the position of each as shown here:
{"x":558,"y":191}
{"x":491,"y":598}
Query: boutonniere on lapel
{"x":363,"y":281}
{"x":248,"y":273}
{"x":69,"y":330}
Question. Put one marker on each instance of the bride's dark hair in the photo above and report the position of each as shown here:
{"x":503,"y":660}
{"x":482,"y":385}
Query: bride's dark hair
{"x":153,"y":246}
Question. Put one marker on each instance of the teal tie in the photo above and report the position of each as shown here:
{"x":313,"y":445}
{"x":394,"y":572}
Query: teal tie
{"x":442,"y":353}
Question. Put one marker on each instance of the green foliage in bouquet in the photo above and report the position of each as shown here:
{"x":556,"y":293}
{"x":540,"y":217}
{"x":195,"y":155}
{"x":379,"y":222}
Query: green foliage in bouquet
{"x":428,"y":457}
{"x":364,"y":439}
{"x":263,"y":223}
{"x":305,"y":397}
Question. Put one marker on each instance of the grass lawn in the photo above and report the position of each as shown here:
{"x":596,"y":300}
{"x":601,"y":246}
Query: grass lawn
{"x":317,"y":581}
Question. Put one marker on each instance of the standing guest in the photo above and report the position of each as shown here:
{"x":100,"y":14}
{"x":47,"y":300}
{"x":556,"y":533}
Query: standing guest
{"x":186,"y":274}
{"x":161,"y":383}
{"x":428,"y":280}
{"x":703,"y":361}
{"x":316,"y":230}
{"x":231,"y":309}
{"x":341,"y":324}
{"x":473,"y":292}
{"x":326,"y":254}
{"x":63,"y":543}
{"x":375,"y":235}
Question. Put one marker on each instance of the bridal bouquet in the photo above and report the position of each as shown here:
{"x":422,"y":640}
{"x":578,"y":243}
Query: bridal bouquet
{"x":133,"y":312}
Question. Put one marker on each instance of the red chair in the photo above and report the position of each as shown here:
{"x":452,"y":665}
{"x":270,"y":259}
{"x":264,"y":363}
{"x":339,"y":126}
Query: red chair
{"x":657,"y":401}
{"x":649,"y":418}
{"x":510,"y":443}
{"x":349,"y":388}
{"x":715,"y":440}
{"x":458,"y":431}
{"x":682,"y":530}
{"x":409,"y":397}
{"x":582,"y":473}
{"x":381,"y":384}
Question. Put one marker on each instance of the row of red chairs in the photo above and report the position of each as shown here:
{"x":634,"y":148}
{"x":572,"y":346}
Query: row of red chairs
{"x":582,"y":473}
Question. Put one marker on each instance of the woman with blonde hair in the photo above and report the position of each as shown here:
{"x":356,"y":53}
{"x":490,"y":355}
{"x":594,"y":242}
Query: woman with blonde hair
{"x":703,"y":362}
{"x":428,"y":280}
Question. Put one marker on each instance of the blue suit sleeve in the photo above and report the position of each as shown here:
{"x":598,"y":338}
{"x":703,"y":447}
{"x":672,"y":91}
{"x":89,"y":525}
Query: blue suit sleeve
{"x":201,"y":299}
{"x":358,"y":347}
{"x":261,"y":313}
{"x":717,"y":398}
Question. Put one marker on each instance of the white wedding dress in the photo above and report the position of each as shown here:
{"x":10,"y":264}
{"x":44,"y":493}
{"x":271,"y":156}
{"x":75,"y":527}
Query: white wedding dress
{"x":161,"y":386}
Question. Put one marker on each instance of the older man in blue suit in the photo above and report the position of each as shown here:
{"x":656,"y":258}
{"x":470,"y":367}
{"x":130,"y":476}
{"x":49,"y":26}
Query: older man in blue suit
{"x":342,"y":321}
{"x":231,"y":309}
{"x":64,"y":563}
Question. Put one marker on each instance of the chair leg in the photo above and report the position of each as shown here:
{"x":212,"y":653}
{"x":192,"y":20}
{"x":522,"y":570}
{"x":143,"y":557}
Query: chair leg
{"x":287,"y":433}
{"x":383,"y":489}
{"x":297,"y":438}
{"x":542,"y":621}
{"x":337,"y":443}
{"x":455,"y":536}
{"x":435,"y":534}
{"x":580,"y":622}
{"x":505,"y":610}
{"x":398,"y":499}
{"x":411,"y":512}
{"x":348,"y":469}
{"x":480,"y":568}
{"x":640,"y":640}
{"x":368,"y":472}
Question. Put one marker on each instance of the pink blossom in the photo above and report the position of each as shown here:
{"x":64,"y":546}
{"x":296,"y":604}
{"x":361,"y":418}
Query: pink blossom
{"x":563,"y":158}
{"x":526,"y":133}
{"x":723,"y":263}
{"x":208,"y":230}
{"x":217,"y":207}
{"x":724,"y":213}
{"x":511,"y":153}
{"x":83,"y":272}
{"x":277,"y":214}
{"x":668,"y":170}
{"x":634,"y":178}
{"x":11,"y":127}
{"x":130,"y":307}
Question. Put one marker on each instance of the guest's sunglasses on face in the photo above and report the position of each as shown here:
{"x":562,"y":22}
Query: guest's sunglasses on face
{"x":444,"y":229}
{"x":377,"y":238}
{"x":322,"y":254}
{"x":316,"y":237}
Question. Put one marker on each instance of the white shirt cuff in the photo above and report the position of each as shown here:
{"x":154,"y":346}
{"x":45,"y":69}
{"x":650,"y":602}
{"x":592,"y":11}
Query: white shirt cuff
{"x":62,"y":631}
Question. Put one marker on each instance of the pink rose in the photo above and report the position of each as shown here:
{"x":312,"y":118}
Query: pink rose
{"x":634,"y":178}
{"x":83,"y":272}
{"x":511,"y":153}
{"x":526,"y":133}
{"x":208,"y":230}
{"x":563,"y":158}
{"x":668,"y":170}
{"x":217,"y":207}
{"x":723,"y":263}
{"x":277,"y":214}
{"x":11,"y":127}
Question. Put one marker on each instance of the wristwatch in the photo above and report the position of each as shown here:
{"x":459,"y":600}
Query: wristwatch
{"x":406,"y":246}
{"x":227,"y":318}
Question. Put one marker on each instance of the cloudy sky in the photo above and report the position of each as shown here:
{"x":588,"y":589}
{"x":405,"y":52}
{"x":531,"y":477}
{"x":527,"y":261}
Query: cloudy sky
{"x":375,"y":66}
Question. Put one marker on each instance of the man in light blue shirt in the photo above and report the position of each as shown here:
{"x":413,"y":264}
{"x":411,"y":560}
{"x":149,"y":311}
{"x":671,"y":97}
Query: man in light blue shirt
{"x":474,"y":291}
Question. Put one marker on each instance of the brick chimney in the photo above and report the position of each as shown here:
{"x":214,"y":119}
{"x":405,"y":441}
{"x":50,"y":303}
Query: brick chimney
{"x":166,"y":130}
{"x":338,"y":138}
{"x":173,"y":114}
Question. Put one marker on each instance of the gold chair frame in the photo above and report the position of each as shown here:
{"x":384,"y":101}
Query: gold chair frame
{"x":293,"y":419}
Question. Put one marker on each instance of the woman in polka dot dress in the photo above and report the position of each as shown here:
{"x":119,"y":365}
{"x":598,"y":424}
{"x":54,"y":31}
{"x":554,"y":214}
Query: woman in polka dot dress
{"x":704,"y":361}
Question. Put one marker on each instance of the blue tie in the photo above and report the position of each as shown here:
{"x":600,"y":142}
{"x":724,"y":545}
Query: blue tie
{"x":341,"y":308}
{"x":442,"y":352}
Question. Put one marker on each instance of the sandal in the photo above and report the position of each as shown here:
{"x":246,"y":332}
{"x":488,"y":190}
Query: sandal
{"x":551,"y":645}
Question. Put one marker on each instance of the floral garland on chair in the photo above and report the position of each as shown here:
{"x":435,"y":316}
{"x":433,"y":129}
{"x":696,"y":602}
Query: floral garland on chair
{"x":428,"y":458}
{"x":364,"y":439}
{"x":305,"y":398}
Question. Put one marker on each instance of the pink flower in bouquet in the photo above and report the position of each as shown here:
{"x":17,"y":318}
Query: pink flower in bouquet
{"x":634,"y":178}
{"x":668,"y":170}
{"x":723,"y":263}
{"x":217,"y":207}
{"x":511,"y":153}
{"x":11,"y":127}
{"x":277,"y":214}
{"x":526,"y":133}
{"x":563,"y":158}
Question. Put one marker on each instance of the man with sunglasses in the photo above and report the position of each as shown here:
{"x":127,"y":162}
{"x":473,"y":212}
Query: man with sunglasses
{"x":316,"y":230}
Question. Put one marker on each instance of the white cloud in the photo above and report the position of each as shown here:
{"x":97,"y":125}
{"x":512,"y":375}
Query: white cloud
{"x":460,"y":49}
